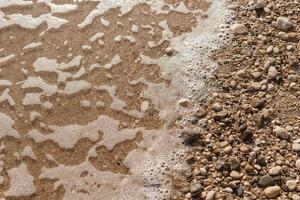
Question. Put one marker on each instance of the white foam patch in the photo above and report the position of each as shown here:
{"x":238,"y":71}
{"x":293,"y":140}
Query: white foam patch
{"x":66,"y":137}
{"x":6,"y":58}
{"x":6,"y":127}
{"x":27,"y":152}
{"x":73,"y":87}
{"x":21,"y":182}
{"x":30,"y":22}
{"x":64,"y":8}
{"x":115,"y":61}
{"x":105,"y":185}
{"x":38,"y":82}
{"x":6,"y":97}
{"x":32,"y":45}
{"x":7,"y":3}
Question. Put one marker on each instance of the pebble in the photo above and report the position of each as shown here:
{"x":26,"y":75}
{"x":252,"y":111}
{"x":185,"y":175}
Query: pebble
{"x":217,"y":107}
{"x":284,"y":24}
{"x":195,"y":188}
{"x":281,"y":133}
{"x":291,"y":185}
{"x":234,"y":163}
{"x":296,"y":147}
{"x":272,"y":72}
{"x":298,"y":164}
{"x":265,"y":181}
{"x":274,"y":171}
{"x":236,"y":175}
{"x":272,"y":191}
{"x":239,"y":29}
{"x":210,"y":195}
{"x":295,"y":197}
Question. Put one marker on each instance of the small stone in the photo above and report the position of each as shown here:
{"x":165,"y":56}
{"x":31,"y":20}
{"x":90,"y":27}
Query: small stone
{"x":281,"y":133}
{"x":259,"y":9}
{"x":195,"y":188}
{"x":217,"y":107}
{"x":296,"y":147}
{"x":241,"y":73}
{"x":298,"y":164}
{"x":183,"y":102}
{"x":210,"y":195}
{"x":295,"y":197}
{"x":256,"y":75}
{"x":272,"y":72}
{"x":234,"y":163}
{"x":274,"y":171}
{"x":293,"y":78}
{"x":276,"y":50}
{"x":247,"y":136}
{"x":272,"y":191}
{"x":203,"y":171}
{"x":239,"y":29}
{"x":236,"y":175}
{"x":169,"y":51}
{"x":291,"y":185}
{"x":284,"y":24}
{"x":261,"y":161}
{"x":265,"y":181}
{"x":283,"y":35}
{"x":220,"y":115}
{"x":258,"y":103}
{"x":227,"y":149}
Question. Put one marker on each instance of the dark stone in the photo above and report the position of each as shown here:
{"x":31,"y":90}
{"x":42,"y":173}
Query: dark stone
{"x":258,"y":103}
{"x":238,"y":191}
{"x":219,"y":166}
{"x":259,"y":9}
{"x":247,"y":136}
{"x":261,"y":161}
{"x":191,"y":139}
{"x":234,"y":163}
{"x":265,"y":181}
{"x":220,"y":115}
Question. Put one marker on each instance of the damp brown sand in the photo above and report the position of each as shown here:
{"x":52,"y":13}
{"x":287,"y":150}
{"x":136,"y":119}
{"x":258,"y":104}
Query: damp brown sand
{"x":67,"y":109}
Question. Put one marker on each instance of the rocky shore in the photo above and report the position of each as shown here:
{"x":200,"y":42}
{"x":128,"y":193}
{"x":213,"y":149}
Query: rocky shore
{"x":245,"y":138}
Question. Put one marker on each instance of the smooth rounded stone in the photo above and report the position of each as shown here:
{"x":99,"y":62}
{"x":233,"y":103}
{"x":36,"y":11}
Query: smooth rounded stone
{"x":283,"y":35}
{"x":296,"y":147}
{"x":195,"y":188}
{"x":183,"y":102}
{"x":236,"y":175}
{"x":295,"y":197}
{"x":228,"y":149}
{"x":261,"y":161}
{"x":239,"y":29}
{"x":169,"y":51}
{"x":234,"y":163}
{"x":265,"y":181}
{"x":293,"y":78}
{"x":210,"y":195}
{"x":284,"y":24}
{"x":274,"y":171}
{"x":281,"y":133}
{"x":272,"y":72}
{"x":259,"y":9}
{"x":291,"y":185}
{"x":217,"y":107}
{"x":272,"y":191}
{"x":256,"y":75}
{"x":241,"y":73}
{"x":203,"y":171}
{"x":298,"y":164}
